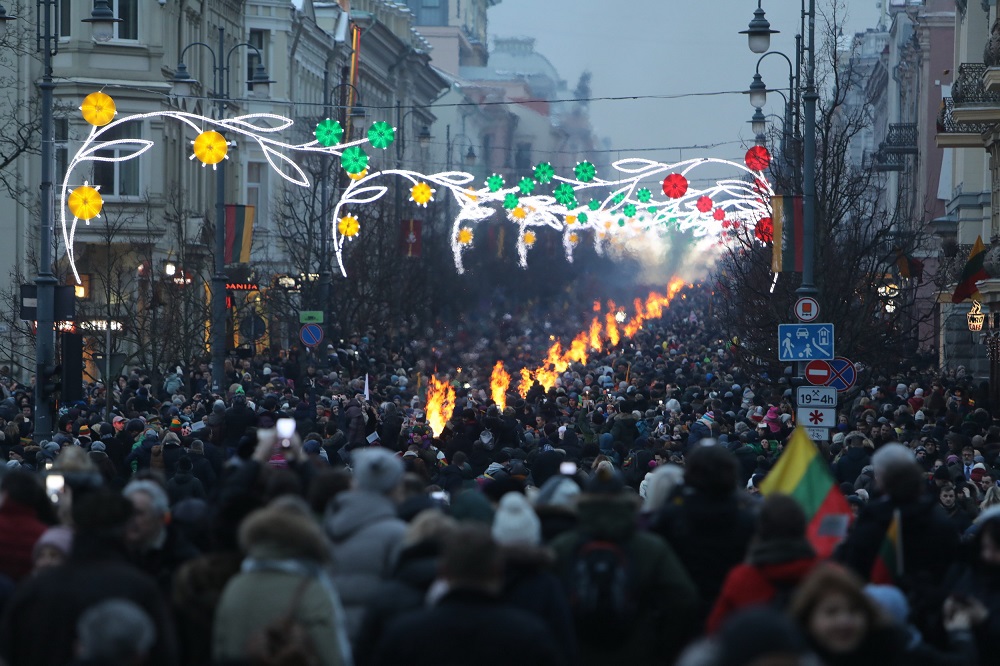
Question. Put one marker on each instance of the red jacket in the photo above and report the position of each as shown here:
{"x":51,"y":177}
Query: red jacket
{"x":750,"y":585}
{"x":19,"y":530}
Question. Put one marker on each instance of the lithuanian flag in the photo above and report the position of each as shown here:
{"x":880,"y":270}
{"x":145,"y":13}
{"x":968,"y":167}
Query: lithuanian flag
{"x":239,"y":233}
{"x":971,"y":274}
{"x":888,"y":567}
{"x":802,"y":473}
{"x":786,"y":248}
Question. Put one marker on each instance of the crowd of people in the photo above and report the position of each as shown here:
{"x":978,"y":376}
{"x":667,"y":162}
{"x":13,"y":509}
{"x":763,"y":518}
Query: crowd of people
{"x":306,"y":512}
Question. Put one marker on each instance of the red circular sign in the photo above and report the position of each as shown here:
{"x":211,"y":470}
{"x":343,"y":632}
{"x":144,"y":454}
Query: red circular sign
{"x":818,"y":373}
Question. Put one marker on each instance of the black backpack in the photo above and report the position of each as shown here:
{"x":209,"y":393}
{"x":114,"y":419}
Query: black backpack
{"x":603,"y":592}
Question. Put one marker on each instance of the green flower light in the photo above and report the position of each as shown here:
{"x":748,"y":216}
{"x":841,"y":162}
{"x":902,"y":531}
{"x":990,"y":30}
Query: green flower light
{"x":544,"y":173}
{"x":651,"y":209}
{"x":620,"y":197}
{"x":629,"y":210}
{"x":565,"y":194}
{"x":644,"y":195}
{"x":585,"y":172}
{"x":329,"y":133}
{"x":621,"y":222}
{"x":354,"y":160}
{"x":527,"y":186}
{"x":594,"y":204}
{"x":495,"y":182}
{"x":581,"y":218}
{"x":381,"y":134}
{"x":511,"y":201}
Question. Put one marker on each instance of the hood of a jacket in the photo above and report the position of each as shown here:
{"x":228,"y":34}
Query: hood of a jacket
{"x":355,"y":509}
{"x":612,"y":518}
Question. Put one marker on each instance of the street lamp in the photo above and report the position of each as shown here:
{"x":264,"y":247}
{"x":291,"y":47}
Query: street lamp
{"x":759,"y":38}
{"x":102,"y":21}
{"x":182,"y":84}
{"x":758,"y":123}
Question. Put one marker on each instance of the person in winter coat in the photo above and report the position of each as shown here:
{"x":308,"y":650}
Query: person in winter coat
{"x":778,"y":559}
{"x":237,"y":419}
{"x":976,"y":585}
{"x":172,"y":452}
{"x":701,"y":428}
{"x":283,"y":575}
{"x":665,"y":598}
{"x":470,"y":623}
{"x":705,"y":524}
{"x":355,"y":415}
{"x":184,"y":485}
{"x":21,"y":495}
{"x":853,"y":460}
{"x":201,"y":466}
{"x":390,"y":428}
{"x":365,"y":531}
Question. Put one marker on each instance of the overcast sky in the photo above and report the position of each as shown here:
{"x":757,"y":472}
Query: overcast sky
{"x":665,"y":47}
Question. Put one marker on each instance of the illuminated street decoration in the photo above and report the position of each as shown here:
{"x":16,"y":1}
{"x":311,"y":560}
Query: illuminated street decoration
{"x":623,"y":207}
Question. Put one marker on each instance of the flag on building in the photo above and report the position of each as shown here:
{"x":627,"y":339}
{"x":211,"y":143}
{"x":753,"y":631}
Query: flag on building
{"x":973,"y":272}
{"x":802,"y":473}
{"x":239,"y":234}
{"x":909,"y":267}
{"x":888,"y":567}
{"x":411,"y":237}
{"x":786,"y":220}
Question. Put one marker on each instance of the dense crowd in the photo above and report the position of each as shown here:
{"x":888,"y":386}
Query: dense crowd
{"x":614,"y":518}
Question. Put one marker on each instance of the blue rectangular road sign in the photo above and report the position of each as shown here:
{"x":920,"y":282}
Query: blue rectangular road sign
{"x":805,"y":342}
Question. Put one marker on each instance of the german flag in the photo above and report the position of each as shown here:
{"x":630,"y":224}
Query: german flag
{"x":239,"y":233}
{"x":802,"y":473}
{"x":971,"y":274}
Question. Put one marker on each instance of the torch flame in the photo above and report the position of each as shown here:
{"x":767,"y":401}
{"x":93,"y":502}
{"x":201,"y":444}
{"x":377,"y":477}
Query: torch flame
{"x":440,"y":404}
{"x":597,"y":306}
{"x":611,"y":328}
{"x":526,"y":381}
{"x":499,"y":381}
{"x":595,"y":334}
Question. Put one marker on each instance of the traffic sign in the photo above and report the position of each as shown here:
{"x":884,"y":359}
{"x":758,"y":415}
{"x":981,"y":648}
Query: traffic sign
{"x":310,"y":316}
{"x":816,"y":417}
{"x":842,"y":374}
{"x":311,"y":334}
{"x":815,"y":396}
{"x":818,"y":434}
{"x":818,"y":373}
{"x":807,"y":309}
{"x":805,"y":342}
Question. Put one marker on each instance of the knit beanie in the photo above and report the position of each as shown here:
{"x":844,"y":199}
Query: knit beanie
{"x":175,"y":424}
{"x":84,"y":431}
{"x":376,"y":470}
{"x":515,"y":522}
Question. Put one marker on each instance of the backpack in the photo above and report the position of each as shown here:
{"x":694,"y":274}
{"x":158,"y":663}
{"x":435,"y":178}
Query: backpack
{"x":284,"y":641}
{"x":604,"y":593}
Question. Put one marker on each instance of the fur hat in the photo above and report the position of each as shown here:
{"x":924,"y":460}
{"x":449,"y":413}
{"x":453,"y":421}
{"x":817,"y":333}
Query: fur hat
{"x":515,"y":522}
{"x":376,"y":470}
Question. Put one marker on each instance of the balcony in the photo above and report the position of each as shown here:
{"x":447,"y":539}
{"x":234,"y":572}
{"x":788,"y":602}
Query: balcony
{"x":900,"y":141}
{"x":954,"y":134}
{"x":974,"y":102}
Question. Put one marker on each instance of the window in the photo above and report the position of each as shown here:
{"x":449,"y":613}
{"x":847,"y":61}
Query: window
{"x":63,"y":20}
{"x":257,"y":38}
{"x":257,"y":173}
{"x":128,"y":12}
{"x":119,"y":179}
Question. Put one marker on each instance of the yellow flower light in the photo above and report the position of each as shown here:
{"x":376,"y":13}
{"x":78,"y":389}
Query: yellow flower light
{"x":519,"y":213}
{"x":529,"y":238}
{"x":421,"y":194}
{"x":465,"y":236}
{"x":98,"y":109}
{"x":358,"y":176}
{"x":574,"y":239}
{"x":85,"y":202}
{"x":571,"y":219}
{"x":210,"y":147}
{"x":348,"y":226}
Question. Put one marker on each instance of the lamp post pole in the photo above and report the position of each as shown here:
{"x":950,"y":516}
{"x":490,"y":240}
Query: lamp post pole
{"x":102,"y":21}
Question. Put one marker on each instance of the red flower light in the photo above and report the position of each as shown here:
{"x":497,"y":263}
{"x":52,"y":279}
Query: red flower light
{"x":719,"y":214}
{"x":765,"y":230}
{"x":675,"y":185}
{"x":725,"y":224}
{"x":757,"y":158}
{"x":704,"y":204}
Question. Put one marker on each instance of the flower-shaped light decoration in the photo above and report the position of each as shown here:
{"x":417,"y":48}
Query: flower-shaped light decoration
{"x":585,"y":172}
{"x":574,"y":238}
{"x":704,"y":204}
{"x":85,"y":202}
{"x":675,"y":185}
{"x":719,"y":214}
{"x":757,"y":158}
{"x":643,"y":195}
{"x":594,"y":204}
{"x":571,"y":219}
{"x":358,"y":176}
{"x":348,"y":226}
{"x":511,"y":201}
{"x":618,"y":198}
{"x":526,"y":186}
{"x":495,"y":182}
{"x":210,"y":147}
{"x":565,"y":194}
{"x":421,"y":194}
{"x":764,"y":231}
{"x":98,"y":109}
{"x":465,"y":236}
{"x":381,"y":134}
{"x":629,"y":210}
{"x":544,"y":173}
{"x":354,"y":160}
{"x":582,"y":218}
{"x":529,"y":238}
{"x":329,"y":133}
{"x":519,"y":213}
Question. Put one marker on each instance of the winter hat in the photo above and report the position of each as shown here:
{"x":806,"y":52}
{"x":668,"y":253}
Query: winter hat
{"x":773,"y":420}
{"x":919,"y":393}
{"x":84,"y":431}
{"x":559,"y":491}
{"x":376,"y":470}
{"x":919,"y":416}
{"x":175,"y":424}
{"x":98,"y":446}
{"x":893,"y":602}
{"x":708,"y":418}
{"x":59,"y":537}
{"x":515,"y":522}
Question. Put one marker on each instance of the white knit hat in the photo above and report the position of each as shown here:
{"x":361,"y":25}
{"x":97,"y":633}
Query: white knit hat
{"x":516,"y":522}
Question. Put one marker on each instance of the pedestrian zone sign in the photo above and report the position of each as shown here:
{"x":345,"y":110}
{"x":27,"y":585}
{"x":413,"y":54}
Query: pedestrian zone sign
{"x":805,"y":342}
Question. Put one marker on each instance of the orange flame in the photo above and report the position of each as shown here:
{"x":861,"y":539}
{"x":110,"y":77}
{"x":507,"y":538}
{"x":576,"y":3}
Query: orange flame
{"x":595,"y":334}
{"x":597,"y":306}
{"x":440,"y":404}
{"x":526,"y":381}
{"x":611,"y":328}
{"x":499,"y":381}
